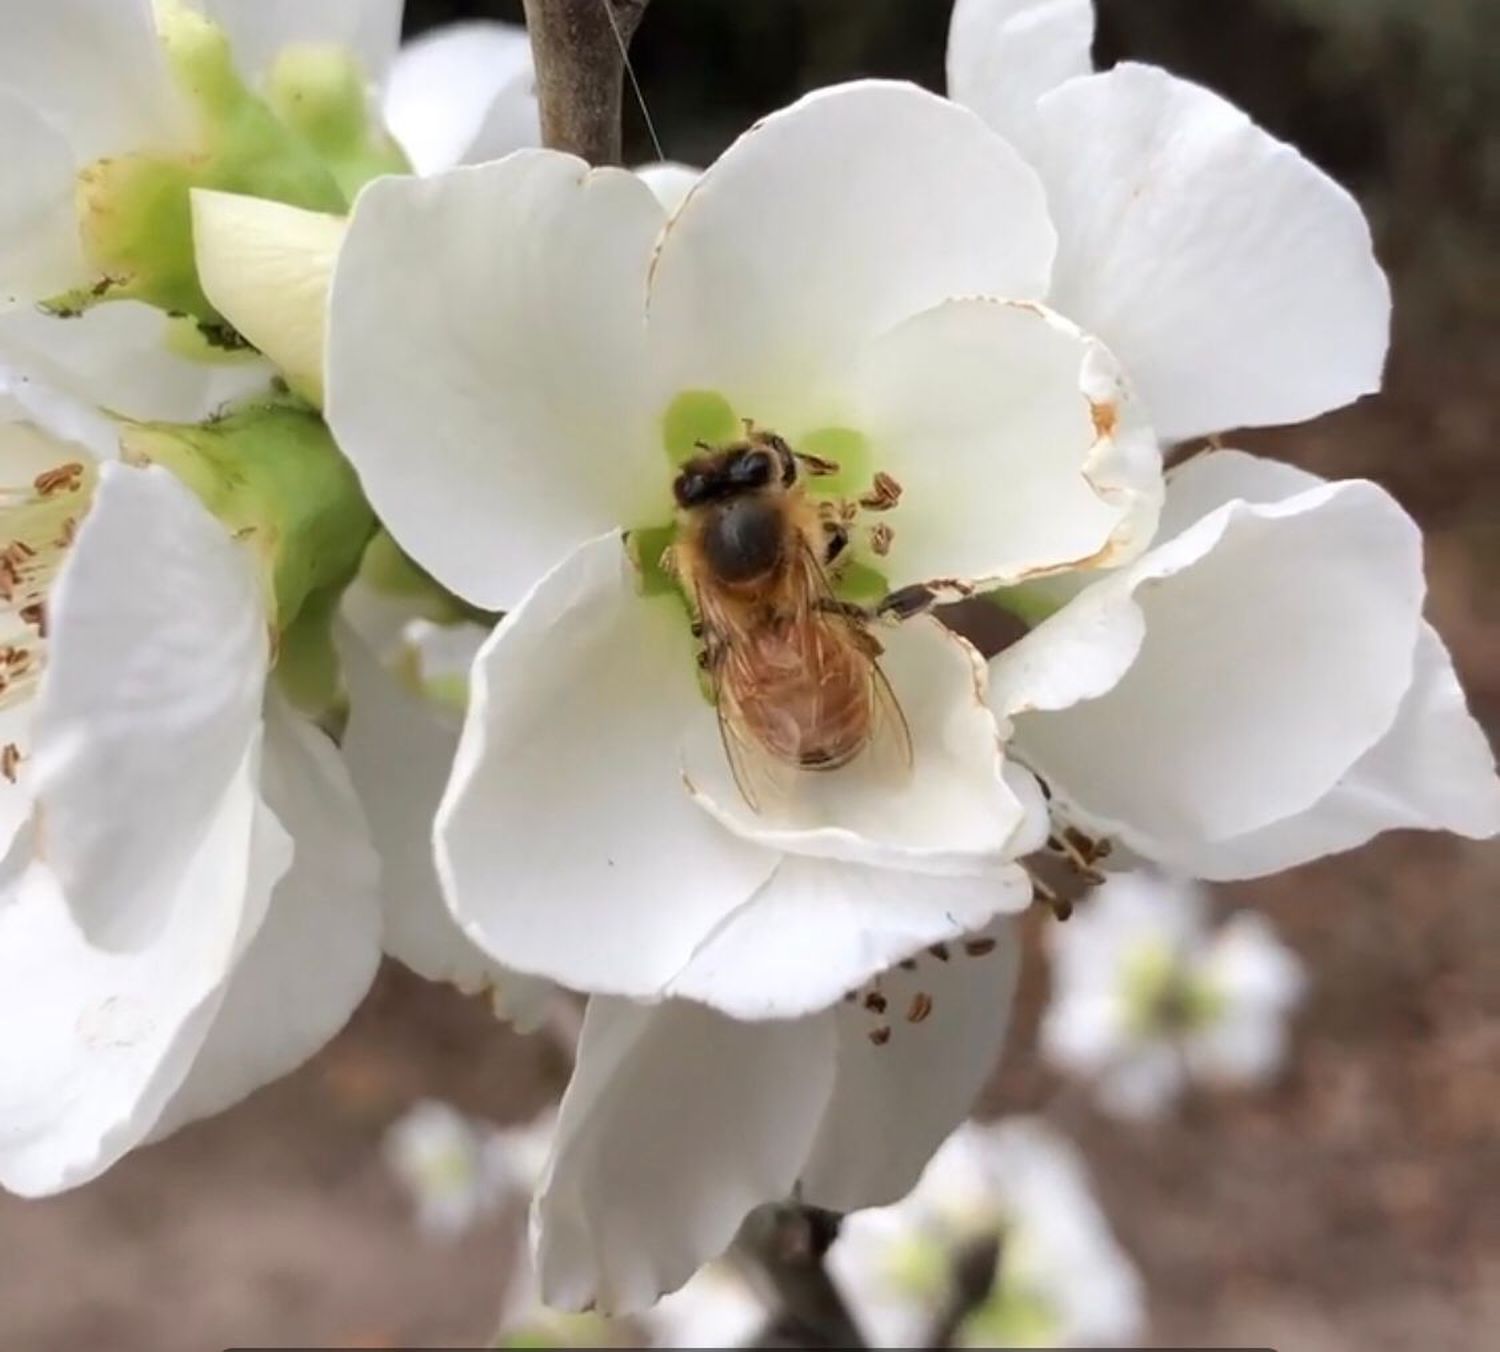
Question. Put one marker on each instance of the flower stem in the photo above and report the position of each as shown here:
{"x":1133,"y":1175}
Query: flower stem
{"x":579,"y":49}
{"x":788,"y":1244}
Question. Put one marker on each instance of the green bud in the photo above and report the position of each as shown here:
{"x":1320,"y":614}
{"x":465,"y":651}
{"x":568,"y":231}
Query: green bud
{"x":319,"y":91}
{"x":271,"y":473}
{"x":134,"y":214}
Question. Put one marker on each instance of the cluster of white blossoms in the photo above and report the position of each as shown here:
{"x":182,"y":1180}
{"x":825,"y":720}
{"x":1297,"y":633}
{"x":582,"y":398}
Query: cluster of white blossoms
{"x":291,"y":427}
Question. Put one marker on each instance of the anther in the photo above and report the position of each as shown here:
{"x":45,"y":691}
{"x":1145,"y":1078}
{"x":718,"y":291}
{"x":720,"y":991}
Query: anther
{"x":10,"y":761}
{"x":881,"y":536}
{"x":977,"y":948}
{"x":884,"y":494}
{"x":880,"y":1036}
{"x":875,"y":1002}
{"x":940,"y":952}
{"x":920,"y":1007}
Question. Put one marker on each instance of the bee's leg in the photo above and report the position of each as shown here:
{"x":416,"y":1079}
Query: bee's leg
{"x":835,"y":541}
{"x":906,"y":603}
{"x":831,"y":605}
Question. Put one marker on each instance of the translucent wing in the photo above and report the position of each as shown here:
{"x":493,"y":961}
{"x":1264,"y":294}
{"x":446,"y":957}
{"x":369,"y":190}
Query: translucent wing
{"x":890,"y":733}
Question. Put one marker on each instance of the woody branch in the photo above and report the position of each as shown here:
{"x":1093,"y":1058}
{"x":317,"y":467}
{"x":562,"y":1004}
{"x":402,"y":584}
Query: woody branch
{"x":580,"y":72}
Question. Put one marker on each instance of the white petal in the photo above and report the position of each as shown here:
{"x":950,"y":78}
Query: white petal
{"x":399,"y":749}
{"x":40,"y":255}
{"x":1018,"y":446}
{"x":826,"y":224}
{"x":1433,"y":771}
{"x":94,"y":68}
{"x":316,"y":952}
{"x":1235,"y":280}
{"x":818,"y":929}
{"x":157,"y":661}
{"x":565,"y":842}
{"x":951,"y":812}
{"x":677,"y":1123}
{"x":267,"y":268}
{"x":463,"y":92}
{"x":127,"y":358}
{"x":893,"y":1104}
{"x":494,"y":400}
{"x":1144,"y":1084}
{"x":259,"y":29}
{"x":669,"y":181}
{"x":96,"y":1042}
{"x":1212,"y":478}
{"x":1003,"y":55}
{"x":1248,"y":664}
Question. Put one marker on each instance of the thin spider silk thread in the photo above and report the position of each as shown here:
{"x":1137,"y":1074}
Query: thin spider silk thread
{"x":635,"y":84}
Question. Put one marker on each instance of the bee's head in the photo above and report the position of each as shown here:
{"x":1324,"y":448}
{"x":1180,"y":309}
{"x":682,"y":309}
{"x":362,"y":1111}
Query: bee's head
{"x":763,"y":462}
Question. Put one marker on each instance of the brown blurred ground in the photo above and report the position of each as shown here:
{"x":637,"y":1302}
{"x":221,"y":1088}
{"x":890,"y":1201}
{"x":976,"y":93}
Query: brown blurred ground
{"x":1355,"y":1207}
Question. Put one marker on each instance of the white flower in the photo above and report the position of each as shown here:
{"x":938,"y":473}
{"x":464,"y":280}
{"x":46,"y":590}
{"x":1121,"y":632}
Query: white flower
{"x":679,"y":1121}
{"x":187,"y":898}
{"x":1257,"y":690}
{"x":449,"y":1165}
{"x":552,"y":410}
{"x":1145,"y":998}
{"x":111,"y":110}
{"x":1061,"y":1281}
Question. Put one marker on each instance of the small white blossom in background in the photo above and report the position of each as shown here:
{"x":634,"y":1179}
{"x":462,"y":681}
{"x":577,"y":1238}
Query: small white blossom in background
{"x":1148,"y":997}
{"x":1061,"y":1279}
{"x":450,"y":1167}
{"x":460,"y":1171}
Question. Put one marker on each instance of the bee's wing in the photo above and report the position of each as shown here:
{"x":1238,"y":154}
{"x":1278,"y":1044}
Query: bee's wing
{"x":890,"y":733}
{"x":759,"y":778}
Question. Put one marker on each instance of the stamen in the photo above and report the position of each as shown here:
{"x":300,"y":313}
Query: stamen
{"x":881,"y":536}
{"x":881,"y":1035}
{"x":978,"y":948}
{"x":10,"y":761}
{"x":920,"y":1007}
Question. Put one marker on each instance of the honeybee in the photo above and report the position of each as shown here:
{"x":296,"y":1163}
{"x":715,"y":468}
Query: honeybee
{"x":794,"y":671}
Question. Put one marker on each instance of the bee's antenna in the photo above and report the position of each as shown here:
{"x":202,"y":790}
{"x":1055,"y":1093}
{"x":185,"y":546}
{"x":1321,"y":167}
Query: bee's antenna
{"x":635,"y":84}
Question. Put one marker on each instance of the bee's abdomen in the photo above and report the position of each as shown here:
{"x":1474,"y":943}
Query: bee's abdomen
{"x":812,"y":709}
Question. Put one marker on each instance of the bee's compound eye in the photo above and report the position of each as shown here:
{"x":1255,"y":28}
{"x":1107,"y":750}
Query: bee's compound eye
{"x":751,"y":470}
{"x":691,"y":488}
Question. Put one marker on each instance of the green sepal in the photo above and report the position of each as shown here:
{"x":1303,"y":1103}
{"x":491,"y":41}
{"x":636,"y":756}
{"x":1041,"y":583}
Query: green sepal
{"x":269,"y":470}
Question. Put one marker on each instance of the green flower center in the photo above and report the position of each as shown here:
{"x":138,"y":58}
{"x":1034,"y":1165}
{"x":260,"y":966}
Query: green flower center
{"x":699,"y":418}
{"x":1163,"y":995}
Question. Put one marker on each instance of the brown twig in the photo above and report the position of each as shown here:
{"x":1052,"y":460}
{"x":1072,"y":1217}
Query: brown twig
{"x":579,"y":50}
{"x":787,"y":1245}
